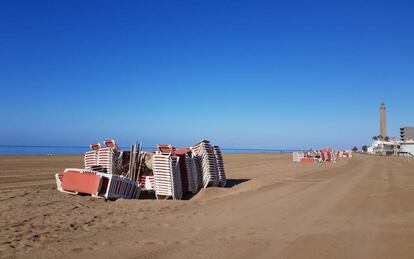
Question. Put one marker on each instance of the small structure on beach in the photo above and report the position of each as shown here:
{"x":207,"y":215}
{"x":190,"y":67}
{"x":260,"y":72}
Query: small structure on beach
{"x":407,"y":148}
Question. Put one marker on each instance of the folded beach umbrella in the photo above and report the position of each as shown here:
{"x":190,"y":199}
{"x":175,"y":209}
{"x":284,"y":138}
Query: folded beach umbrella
{"x":167,"y":176}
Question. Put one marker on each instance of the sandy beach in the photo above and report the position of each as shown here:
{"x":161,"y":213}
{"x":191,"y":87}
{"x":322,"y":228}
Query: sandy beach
{"x":357,"y":208}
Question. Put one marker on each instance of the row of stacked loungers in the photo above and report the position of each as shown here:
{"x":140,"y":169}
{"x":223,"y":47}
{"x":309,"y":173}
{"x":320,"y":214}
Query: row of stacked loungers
{"x":326,"y":155}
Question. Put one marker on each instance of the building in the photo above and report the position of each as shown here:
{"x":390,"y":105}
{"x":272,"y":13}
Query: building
{"x":407,"y":133}
{"x":407,"y":148}
{"x":384,"y":148}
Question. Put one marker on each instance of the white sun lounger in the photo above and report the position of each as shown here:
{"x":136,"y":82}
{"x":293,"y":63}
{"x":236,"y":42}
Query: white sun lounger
{"x":166,"y":176}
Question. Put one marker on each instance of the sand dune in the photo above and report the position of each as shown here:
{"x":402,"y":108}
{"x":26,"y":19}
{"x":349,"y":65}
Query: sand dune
{"x":273,"y":208}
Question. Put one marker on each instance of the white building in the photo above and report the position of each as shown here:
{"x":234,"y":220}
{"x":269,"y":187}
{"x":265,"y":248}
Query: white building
{"x":407,"y":147}
{"x":384,"y":147}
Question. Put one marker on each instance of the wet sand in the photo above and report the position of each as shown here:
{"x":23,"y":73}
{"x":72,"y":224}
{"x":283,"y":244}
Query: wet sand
{"x":357,"y":208}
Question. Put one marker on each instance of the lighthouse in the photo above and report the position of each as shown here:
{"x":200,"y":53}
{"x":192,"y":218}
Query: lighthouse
{"x":383,"y":122}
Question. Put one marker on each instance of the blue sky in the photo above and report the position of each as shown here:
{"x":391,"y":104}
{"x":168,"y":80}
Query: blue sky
{"x":244,"y":74}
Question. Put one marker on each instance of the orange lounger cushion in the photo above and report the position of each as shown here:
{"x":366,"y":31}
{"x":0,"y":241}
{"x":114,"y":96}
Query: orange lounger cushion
{"x":307,"y":160}
{"x":81,"y":182}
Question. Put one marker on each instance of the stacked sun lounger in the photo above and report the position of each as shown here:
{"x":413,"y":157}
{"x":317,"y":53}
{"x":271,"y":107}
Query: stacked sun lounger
{"x":110,"y":160}
{"x":205,"y":153}
{"x":327,"y":155}
{"x":91,"y":157}
{"x":197,"y":168}
{"x":220,"y":166}
{"x":167,"y":176}
{"x":189,"y":173}
{"x":105,"y":160}
{"x":193,"y":181}
{"x":182,"y":164}
{"x":96,"y":184}
{"x":344,"y":154}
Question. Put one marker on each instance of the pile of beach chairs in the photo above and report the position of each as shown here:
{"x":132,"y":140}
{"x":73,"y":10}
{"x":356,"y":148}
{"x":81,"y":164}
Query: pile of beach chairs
{"x":344,"y":154}
{"x":327,"y":155}
{"x":101,"y":176}
{"x":186,"y":170}
{"x":175,"y":173}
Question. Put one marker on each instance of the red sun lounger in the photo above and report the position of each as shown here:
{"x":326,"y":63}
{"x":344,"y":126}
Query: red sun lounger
{"x":75,"y":181}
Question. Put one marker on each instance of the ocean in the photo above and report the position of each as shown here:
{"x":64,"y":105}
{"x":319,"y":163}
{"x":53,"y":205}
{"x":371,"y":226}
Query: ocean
{"x":73,"y":150}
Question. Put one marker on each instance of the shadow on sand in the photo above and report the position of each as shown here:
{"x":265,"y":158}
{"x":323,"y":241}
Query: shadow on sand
{"x":146,"y":195}
{"x":234,"y":182}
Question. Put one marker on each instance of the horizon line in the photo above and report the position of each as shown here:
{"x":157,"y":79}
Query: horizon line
{"x":224,"y":148}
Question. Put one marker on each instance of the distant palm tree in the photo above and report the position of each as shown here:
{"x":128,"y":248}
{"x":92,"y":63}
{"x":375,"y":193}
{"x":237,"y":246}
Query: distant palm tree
{"x":374,"y":138}
{"x":387,"y":138}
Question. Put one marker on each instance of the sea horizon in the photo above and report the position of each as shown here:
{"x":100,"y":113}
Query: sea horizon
{"x":78,"y":150}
